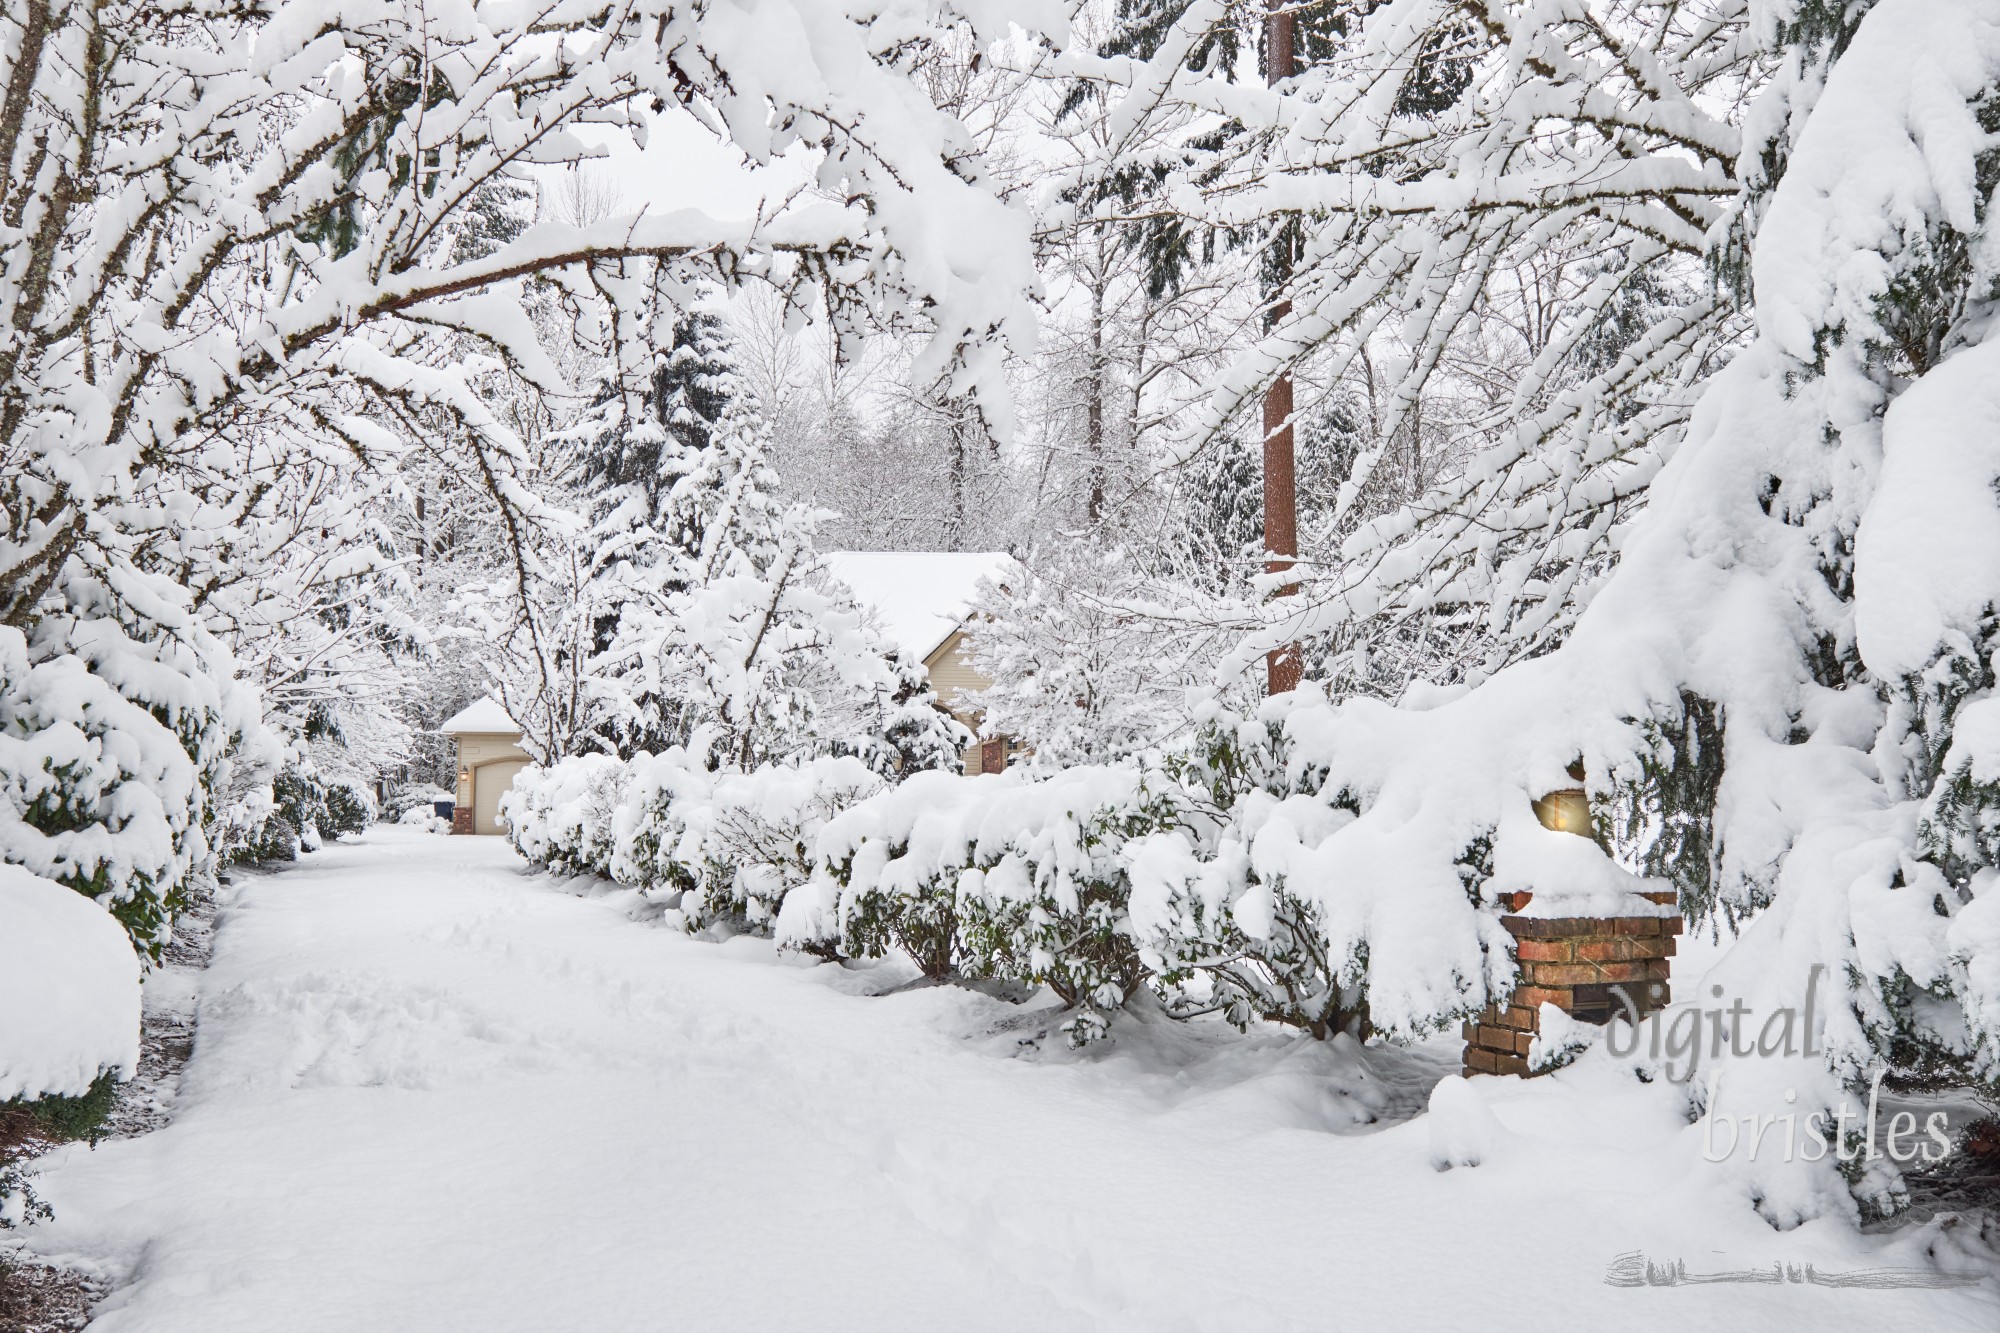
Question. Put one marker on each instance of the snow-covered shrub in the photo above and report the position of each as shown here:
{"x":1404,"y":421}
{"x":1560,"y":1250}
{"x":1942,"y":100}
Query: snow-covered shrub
{"x":752,"y":840}
{"x":995,"y":876}
{"x":723,"y":847}
{"x":651,"y":823}
{"x":1054,"y":906}
{"x":274,"y":839}
{"x":71,"y":999}
{"x":69,"y":993}
{"x":880,"y":883}
{"x":1219,"y":938}
{"x":280,"y":835}
{"x":1221,"y":931}
{"x":110,"y":747}
{"x":350,"y":807}
{"x":307,"y":808}
{"x":563,"y":816}
{"x":243,"y":805}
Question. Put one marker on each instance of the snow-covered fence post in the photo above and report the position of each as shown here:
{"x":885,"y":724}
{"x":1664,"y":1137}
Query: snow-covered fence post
{"x":1586,"y":966}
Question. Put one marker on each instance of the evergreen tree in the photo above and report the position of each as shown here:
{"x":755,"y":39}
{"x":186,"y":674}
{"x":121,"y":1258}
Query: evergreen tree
{"x":635,"y":450}
{"x":705,"y":623}
{"x":678,"y":496}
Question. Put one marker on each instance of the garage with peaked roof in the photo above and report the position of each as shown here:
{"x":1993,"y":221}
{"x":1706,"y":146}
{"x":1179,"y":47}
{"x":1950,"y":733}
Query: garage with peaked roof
{"x":489,"y":757}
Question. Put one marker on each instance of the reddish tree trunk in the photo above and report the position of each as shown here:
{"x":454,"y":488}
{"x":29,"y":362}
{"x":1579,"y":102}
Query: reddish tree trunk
{"x":1281,"y":499}
{"x":1281,"y":519}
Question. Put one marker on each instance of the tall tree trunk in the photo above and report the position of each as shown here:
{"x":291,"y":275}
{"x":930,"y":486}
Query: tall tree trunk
{"x":1281,"y":504}
{"x":1094,"y":386}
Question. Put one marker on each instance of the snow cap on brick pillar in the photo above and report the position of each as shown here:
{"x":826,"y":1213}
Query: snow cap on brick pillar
{"x":1579,"y":964}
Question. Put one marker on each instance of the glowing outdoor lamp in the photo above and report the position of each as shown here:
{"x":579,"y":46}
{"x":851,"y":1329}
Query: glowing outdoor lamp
{"x":1567,"y":809}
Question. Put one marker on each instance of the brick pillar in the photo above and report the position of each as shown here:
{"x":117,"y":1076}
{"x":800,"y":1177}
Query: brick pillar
{"x":1572,"y":962}
{"x":461,"y":819}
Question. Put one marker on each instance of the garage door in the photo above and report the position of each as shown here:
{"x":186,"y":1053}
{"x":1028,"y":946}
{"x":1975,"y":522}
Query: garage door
{"x":488,"y":781}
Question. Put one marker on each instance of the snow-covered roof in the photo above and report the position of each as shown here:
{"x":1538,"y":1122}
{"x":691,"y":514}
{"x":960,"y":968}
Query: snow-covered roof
{"x":918,"y":597}
{"x":484,"y":717}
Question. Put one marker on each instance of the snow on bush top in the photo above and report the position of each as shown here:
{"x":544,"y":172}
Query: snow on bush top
{"x":936,"y":824}
{"x":69,"y":1005}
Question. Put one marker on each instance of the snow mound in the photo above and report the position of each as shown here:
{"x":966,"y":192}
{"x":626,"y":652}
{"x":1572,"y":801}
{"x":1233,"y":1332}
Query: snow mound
{"x":69,"y":1004}
{"x":1559,"y":1038}
{"x":1463,"y":1128}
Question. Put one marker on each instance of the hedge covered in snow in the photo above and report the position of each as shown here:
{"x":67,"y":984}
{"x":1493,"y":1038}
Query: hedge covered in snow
{"x":1234,"y":875}
{"x":992,"y":876}
{"x":723,"y":848}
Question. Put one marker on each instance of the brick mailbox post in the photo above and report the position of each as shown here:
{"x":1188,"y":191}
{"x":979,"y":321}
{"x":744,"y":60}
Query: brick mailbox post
{"x":461,"y":810}
{"x":1575,"y":963}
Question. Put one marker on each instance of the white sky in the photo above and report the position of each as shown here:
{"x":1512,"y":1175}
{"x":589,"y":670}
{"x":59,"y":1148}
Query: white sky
{"x":685,"y":166}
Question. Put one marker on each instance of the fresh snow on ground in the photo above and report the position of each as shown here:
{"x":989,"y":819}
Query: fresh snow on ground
{"x":433,"y":1091}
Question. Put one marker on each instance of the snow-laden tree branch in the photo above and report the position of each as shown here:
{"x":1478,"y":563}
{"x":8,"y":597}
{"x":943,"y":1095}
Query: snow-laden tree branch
{"x":1399,"y":190}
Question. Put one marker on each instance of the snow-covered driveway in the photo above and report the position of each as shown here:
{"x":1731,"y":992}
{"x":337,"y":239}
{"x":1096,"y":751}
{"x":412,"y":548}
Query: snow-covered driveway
{"x":432,"y":1091}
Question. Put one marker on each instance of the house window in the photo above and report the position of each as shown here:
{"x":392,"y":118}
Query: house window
{"x":993,"y":756}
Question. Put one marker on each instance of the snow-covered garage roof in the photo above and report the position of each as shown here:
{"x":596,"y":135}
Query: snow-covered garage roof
{"x":918,"y":597}
{"x":484,"y":717}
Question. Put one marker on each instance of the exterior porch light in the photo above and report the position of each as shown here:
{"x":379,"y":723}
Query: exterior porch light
{"x":1567,"y":809}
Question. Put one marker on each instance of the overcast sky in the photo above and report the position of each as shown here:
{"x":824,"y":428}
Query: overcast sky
{"x":685,"y":166}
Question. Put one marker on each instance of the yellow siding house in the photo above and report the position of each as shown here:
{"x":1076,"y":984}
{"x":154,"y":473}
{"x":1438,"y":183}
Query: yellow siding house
{"x":489,"y":755}
{"x":922,"y":602}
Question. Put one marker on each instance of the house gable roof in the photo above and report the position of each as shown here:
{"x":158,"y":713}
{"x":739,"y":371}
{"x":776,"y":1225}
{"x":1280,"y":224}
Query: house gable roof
{"x":482,"y":717}
{"x":918,"y":597}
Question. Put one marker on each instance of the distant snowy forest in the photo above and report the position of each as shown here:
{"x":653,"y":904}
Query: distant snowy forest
{"x":1635,"y":356}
